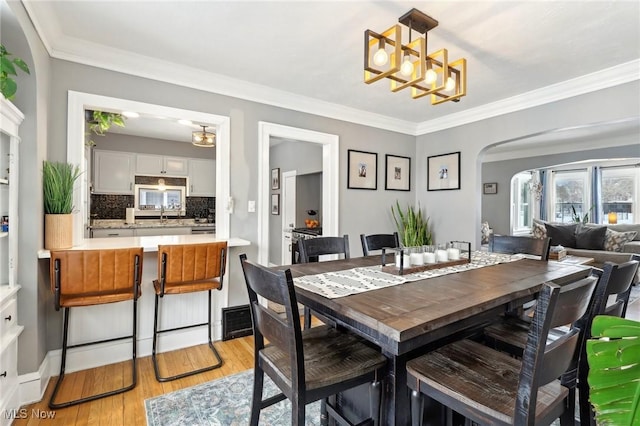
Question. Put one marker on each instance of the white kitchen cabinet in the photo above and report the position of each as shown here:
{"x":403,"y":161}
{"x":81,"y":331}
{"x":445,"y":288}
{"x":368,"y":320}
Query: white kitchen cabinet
{"x":112,"y":233}
{"x":113,"y":172}
{"x":202,"y":178}
{"x":157,"y":165}
{"x":10,"y":119}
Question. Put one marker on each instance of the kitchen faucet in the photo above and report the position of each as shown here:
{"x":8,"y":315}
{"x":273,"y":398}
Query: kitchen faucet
{"x":162,"y":217}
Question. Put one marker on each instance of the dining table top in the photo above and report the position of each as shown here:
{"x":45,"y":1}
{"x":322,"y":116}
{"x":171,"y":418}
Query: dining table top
{"x":404,"y":317}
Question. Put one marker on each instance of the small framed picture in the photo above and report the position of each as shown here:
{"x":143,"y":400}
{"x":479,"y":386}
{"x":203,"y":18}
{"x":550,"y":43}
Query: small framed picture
{"x":398,"y":173}
{"x":275,"y":204}
{"x":490,"y":188}
{"x":275,"y":178}
{"x":443,"y":172}
{"x":363,"y":170}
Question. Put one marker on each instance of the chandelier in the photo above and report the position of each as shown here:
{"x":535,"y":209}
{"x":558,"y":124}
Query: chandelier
{"x":410,"y":66}
{"x":203,"y":138}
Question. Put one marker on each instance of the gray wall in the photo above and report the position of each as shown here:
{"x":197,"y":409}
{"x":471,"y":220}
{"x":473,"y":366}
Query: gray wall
{"x":303,"y":157}
{"x":143,"y":145}
{"x":496,"y":207}
{"x":308,"y":197}
{"x":456,"y":215}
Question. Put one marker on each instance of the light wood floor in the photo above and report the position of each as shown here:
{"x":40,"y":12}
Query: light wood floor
{"x":128,"y":408}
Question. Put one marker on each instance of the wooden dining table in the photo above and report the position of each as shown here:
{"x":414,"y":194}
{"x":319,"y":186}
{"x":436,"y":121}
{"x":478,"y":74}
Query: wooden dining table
{"x":412,"y":318}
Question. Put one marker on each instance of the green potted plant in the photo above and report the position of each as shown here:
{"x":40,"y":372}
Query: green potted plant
{"x":58,"y":180}
{"x":8,"y":65}
{"x":613,"y":354}
{"x":100,"y":122}
{"x":413,"y":228}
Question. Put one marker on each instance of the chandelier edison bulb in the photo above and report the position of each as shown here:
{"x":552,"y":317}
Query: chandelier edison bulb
{"x":450,"y":84}
{"x":406,"y":68}
{"x":381,"y":57}
{"x":430,"y":76}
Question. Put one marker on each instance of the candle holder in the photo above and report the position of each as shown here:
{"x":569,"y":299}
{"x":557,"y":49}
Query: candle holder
{"x":456,"y":252}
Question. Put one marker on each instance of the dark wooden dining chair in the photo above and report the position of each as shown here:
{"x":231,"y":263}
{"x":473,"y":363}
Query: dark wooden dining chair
{"x":95,"y":277}
{"x":311,"y":248}
{"x":510,"y":335}
{"x":182,"y":269}
{"x":308,"y":365}
{"x":511,"y":244}
{"x":378,"y":241}
{"x":491,"y":387}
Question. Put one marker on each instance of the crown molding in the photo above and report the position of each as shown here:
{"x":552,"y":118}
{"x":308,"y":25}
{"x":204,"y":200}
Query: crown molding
{"x":609,"y":77}
{"x":87,"y":53}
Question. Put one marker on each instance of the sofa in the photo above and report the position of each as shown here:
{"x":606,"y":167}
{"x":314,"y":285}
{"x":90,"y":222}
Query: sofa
{"x":613,"y":243}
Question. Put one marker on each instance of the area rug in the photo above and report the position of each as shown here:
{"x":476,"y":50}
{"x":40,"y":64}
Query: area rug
{"x":222,"y":402}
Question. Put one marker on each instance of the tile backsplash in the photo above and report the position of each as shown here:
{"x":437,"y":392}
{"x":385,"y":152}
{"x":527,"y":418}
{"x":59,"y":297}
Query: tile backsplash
{"x":114,"y":206}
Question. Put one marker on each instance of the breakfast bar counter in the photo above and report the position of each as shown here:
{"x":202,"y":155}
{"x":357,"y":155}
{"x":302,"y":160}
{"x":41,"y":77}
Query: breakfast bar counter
{"x":114,"y":319}
{"x":149,"y":244}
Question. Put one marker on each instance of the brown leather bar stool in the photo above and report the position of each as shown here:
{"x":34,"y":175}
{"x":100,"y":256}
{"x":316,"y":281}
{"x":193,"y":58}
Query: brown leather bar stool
{"x":94,"y":277}
{"x":185,"y":269}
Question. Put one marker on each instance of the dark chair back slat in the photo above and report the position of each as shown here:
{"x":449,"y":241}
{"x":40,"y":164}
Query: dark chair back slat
{"x":515,"y":244}
{"x":378,"y":241}
{"x":313,"y":247}
{"x":542,"y":364}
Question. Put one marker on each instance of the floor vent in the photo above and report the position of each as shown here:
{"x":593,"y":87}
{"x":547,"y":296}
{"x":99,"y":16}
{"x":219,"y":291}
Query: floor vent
{"x":236,"y":322}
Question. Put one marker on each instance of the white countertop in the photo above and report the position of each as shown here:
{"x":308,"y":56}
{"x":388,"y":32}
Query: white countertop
{"x":149,"y":244}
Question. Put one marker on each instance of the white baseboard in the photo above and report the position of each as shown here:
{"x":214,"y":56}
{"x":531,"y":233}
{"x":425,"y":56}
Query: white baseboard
{"x":33,"y":385}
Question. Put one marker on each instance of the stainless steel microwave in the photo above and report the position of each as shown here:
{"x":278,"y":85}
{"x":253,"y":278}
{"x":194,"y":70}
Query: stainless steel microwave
{"x":154,"y":200}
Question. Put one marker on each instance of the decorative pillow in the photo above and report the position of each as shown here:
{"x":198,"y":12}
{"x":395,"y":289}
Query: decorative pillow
{"x":484,"y":232}
{"x":562,"y":235}
{"x":590,"y":238}
{"x":615,"y":241}
{"x":538,"y":231}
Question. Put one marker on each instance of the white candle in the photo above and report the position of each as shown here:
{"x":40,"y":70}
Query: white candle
{"x":454,"y":253}
{"x":429,"y":257}
{"x":406,"y":261}
{"x":442,"y":255}
{"x":416,"y":259}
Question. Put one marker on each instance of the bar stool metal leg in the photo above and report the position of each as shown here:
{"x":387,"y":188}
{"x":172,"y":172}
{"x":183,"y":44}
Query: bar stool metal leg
{"x":157,"y":332}
{"x":63,"y":363}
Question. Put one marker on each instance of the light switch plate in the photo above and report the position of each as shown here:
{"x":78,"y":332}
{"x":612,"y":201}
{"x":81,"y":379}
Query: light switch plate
{"x":252,"y":206}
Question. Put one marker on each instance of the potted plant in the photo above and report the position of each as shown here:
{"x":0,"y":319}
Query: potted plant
{"x":100,"y":122}
{"x":613,"y":354}
{"x":58,"y":180}
{"x":413,"y":228}
{"x":8,"y":65}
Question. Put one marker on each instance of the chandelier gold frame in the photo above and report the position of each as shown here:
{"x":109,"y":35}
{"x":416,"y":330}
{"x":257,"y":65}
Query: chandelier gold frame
{"x":431,"y":74}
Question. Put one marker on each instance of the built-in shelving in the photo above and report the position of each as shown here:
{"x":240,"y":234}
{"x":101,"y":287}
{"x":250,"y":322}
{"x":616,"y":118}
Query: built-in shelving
{"x":10,"y":119}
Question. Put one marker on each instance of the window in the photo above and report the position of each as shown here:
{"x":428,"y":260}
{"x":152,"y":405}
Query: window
{"x":619,"y":193}
{"x":522,"y":205}
{"x":570,"y":195}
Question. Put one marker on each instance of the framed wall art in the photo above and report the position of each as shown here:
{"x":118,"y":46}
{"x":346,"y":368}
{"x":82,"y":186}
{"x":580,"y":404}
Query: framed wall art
{"x":275,"y":204}
{"x":275,"y":178}
{"x":397,"y":173}
{"x":443,"y":172}
{"x":490,"y":188}
{"x":363,"y":170}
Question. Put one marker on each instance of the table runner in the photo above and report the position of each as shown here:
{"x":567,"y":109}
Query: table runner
{"x":358,"y":280}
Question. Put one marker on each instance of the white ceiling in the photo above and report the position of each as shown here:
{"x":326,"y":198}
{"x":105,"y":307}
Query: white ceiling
{"x":309,"y":55}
